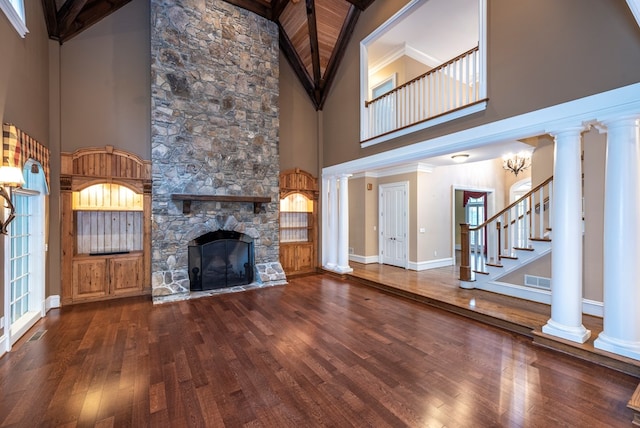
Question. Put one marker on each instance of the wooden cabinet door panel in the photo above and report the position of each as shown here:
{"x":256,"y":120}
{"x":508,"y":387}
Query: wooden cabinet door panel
{"x":125,"y":275}
{"x":304,"y":258}
{"x":287,"y":257}
{"x":90,"y":278}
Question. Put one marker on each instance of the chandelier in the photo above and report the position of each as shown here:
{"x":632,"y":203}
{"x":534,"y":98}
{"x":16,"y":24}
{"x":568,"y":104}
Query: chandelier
{"x":516,"y":162}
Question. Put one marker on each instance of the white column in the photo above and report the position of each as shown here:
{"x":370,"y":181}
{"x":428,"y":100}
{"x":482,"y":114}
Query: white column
{"x":332,"y":226}
{"x":343,"y":226}
{"x":566,"y":256}
{"x":621,"y":333}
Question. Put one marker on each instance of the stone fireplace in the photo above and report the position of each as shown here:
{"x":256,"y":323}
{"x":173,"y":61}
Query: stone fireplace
{"x":214,"y":132}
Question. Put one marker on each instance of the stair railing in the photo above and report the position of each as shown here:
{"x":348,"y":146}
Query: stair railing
{"x":514,"y":227}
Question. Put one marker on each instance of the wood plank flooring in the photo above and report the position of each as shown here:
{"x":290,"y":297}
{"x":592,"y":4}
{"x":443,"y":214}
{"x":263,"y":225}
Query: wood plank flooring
{"x":320,"y":351}
{"x":440,"y":287}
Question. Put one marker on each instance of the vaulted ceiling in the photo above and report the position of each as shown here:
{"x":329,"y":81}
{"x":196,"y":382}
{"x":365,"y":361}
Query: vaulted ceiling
{"x":313,"y":33}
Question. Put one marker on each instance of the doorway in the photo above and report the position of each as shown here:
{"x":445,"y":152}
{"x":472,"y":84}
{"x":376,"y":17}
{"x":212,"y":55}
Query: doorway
{"x":392,"y":221}
{"x":24,"y":295}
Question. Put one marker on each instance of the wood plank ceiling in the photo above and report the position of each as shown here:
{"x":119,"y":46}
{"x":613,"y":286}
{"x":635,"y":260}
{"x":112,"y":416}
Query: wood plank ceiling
{"x":313,"y":33}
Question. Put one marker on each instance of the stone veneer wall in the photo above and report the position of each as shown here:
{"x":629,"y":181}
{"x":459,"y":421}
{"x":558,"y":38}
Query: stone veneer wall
{"x":214,"y":130}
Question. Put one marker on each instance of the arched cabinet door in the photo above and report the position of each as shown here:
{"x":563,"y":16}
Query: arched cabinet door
{"x":298,"y":222}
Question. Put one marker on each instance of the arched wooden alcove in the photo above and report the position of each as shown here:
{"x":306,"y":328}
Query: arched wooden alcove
{"x":298,"y":222}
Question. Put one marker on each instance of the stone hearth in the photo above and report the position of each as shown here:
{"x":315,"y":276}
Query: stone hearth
{"x":214,"y":131}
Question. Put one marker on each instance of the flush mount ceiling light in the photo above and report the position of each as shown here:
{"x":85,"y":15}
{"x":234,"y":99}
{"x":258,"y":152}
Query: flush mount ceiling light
{"x":462,"y":157}
{"x":516,"y":162}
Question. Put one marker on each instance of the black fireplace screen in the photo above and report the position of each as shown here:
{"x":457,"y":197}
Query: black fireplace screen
{"x":220,"y":259}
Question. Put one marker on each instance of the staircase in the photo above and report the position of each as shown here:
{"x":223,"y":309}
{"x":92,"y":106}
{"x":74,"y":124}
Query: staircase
{"x":509,"y":240}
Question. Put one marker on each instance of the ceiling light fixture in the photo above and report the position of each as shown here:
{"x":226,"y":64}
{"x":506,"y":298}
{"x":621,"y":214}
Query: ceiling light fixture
{"x":516,"y":162}
{"x":462,"y":157}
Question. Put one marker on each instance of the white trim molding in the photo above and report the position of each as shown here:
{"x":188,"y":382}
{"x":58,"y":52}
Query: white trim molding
{"x":634,"y":5}
{"x":430,"y":264}
{"x":14,"y":17}
{"x":616,"y":102}
{"x":363,"y":259}
{"x":52,"y":302}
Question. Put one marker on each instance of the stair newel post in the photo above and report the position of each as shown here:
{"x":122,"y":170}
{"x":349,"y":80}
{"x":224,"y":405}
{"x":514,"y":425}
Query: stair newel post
{"x":465,"y":253}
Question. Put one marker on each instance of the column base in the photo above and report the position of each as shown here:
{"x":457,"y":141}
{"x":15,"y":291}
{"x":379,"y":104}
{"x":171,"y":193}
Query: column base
{"x":344,"y":269}
{"x":338,"y":269}
{"x":617,"y":346}
{"x":574,"y":334}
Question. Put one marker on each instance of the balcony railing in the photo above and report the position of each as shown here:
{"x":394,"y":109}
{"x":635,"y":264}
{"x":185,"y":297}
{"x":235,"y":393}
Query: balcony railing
{"x":444,"y":89}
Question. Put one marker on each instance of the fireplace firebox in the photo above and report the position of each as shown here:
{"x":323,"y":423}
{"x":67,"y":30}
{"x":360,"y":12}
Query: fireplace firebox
{"x":220,"y":259}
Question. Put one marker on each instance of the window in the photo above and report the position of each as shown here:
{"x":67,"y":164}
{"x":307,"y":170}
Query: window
{"x":475,"y":216}
{"x":14,"y":9}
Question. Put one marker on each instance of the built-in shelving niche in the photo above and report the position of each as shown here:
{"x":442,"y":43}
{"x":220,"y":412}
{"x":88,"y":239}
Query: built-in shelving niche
{"x":106,"y":225}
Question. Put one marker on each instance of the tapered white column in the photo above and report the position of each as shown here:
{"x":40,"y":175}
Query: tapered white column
{"x":332,"y":233}
{"x":566,"y":256}
{"x":621,"y":333}
{"x":343,"y":226}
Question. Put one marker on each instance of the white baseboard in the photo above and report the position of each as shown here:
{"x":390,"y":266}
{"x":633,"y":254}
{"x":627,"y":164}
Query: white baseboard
{"x":593,"y":307}
{"x":52,"y":302}
{"x":431,"y":264}
{"x":363,"y":259}
{"x":3,"y":345}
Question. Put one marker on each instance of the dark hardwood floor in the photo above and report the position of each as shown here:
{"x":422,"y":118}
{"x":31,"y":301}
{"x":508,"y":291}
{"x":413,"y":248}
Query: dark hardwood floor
{"x":319,"y":351}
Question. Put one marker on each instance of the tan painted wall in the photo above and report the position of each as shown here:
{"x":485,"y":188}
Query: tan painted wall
{"x":542,"y":160}
{"x":405,"y":68}
{"x":430,"y":207}
{"x":548,"y":44}
{"x":540,"y":267}
{"x":24,"y":87}
{"x":299,"y":124}
{"x":105,"y":84}
{"x":593,"y":167}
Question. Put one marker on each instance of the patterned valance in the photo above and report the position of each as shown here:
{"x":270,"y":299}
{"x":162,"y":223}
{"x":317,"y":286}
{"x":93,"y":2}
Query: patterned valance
{"x":18,"y":148}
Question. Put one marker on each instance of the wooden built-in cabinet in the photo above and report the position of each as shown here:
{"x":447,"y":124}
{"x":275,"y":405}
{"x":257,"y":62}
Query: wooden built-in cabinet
{"x":106,"y":225}
{"x":298,"y":222}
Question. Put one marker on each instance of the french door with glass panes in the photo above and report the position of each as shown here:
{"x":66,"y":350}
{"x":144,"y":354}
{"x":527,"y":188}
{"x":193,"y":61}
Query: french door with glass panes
{"x":24,"y":296}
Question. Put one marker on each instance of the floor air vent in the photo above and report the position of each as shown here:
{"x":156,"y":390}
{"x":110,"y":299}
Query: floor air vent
{"x":37,"y":336}
{"x":537,"y":281}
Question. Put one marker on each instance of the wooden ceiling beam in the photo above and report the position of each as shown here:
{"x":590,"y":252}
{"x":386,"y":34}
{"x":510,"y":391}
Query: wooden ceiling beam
{"x":51,"y":18}
{"x":258,"y":7}
{"x":68,"y":14}
{"x":298,"y":67}
{"x":313,"y":43}
{"x":277,"y":7}
{"x":361,"y":4}
{"x":94,"y":11}
{"x":338,"y":52}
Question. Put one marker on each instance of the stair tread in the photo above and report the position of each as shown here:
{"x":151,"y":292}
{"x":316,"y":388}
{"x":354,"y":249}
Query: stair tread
{"x":524,"y":248}
{"x":508,"y":257}
{"x":494,"y":265}
{"x":481,"y":272}
{"x":540,"y":239}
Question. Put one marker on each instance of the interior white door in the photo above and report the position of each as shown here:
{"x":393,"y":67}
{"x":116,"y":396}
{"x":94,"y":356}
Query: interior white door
{"x":393,"y":224}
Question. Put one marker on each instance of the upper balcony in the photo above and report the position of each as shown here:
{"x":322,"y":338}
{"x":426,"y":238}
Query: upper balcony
{"x":426,"y":65}
{"x":443,"y":90}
